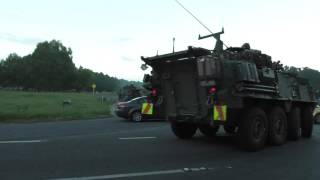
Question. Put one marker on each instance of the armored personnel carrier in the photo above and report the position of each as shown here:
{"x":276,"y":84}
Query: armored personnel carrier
{"x":238,"y":88}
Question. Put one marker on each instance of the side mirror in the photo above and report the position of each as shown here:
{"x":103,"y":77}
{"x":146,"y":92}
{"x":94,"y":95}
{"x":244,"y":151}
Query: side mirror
{"x":144,"y":67}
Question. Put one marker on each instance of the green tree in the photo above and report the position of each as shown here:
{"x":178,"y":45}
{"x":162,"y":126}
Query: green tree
{"x":105,"y":82}
{"x":50,"y":68}
{"x":53,"y":67}
{"x":12,"y":71}
{"x":84,"y":79}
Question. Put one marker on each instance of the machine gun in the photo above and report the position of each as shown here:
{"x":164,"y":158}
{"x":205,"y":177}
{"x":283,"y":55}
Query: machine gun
{"x":219,"y":43}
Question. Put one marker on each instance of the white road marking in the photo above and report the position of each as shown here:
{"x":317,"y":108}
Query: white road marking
{"x":136,"y":138}
{"x":108,"y":133}
{"x":17,"y":142}
{"x":113,"y":176}
{"x":138,"y":174}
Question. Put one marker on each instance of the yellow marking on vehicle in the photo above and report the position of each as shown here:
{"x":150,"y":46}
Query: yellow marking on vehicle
{"x":147,"y":108}
{"x":220,"y":113}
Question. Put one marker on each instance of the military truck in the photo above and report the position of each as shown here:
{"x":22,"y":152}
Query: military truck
{"x":238,"y":88}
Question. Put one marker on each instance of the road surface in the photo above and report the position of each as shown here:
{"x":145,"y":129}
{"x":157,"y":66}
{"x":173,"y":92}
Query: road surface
{"x":116,"y":149}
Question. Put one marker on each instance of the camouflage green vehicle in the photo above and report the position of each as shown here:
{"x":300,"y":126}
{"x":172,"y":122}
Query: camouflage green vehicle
{"x":316,"y":115}
{"x":238,"y":88}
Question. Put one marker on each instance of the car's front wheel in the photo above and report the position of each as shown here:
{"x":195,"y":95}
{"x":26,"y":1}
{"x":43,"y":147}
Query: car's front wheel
{"x":136,"y":116}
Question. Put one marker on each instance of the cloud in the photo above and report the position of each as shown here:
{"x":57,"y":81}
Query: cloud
{"x":124,"y":39}
{"x":20,"y":40}
{"x":127,"y":59}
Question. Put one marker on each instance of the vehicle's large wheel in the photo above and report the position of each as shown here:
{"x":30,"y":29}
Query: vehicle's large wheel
{"x":277,"y":126}
{"x":209,"y":131}
{"x":253,"y":129}
{"x":307,"y":122}
{"x":136,"y":116}
{"x":294,"y":124}
{"x":317,"y":118}
{"x":230,"y":129}
{"x":183,"y":130}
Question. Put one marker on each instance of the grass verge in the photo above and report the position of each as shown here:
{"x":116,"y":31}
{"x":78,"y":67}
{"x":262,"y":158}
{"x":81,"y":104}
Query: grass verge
{"x":19,"y":106}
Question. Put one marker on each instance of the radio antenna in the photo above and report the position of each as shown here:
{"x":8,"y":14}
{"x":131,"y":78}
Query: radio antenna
{"x":201,"y":23}
{"x":194,"y":16}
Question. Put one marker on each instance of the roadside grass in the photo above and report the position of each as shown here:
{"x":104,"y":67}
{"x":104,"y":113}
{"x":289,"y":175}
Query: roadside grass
{"x":19,"y":106}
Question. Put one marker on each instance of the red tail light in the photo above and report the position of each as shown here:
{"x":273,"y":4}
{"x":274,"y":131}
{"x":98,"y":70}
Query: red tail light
{"x":213,"y":90}
{"x":154,"y":92}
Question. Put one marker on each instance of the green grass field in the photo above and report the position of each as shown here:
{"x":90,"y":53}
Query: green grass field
{"x":19,"y":106}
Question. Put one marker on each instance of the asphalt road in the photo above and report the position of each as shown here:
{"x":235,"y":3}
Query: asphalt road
{"x":117,"y":149}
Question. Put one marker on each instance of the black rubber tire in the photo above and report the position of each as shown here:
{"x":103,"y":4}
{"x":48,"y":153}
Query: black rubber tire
{"x":294,"y":124}
{"x":317,"y":118}
{"x":229,"y":129}
{"x":183,"y":130}
{"x":136,"y":116}
{"x":307,"y":122}
{"x":209,"y":131}
{"x":278,"y":129}
{"x":253,"y":129}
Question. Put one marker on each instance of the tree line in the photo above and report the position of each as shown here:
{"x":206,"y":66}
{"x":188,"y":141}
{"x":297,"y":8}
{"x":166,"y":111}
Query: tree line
{"x":50,"y":67}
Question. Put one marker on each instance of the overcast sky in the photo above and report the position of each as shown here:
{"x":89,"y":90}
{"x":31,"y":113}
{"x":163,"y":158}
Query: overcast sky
{"x":109,"y":36}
